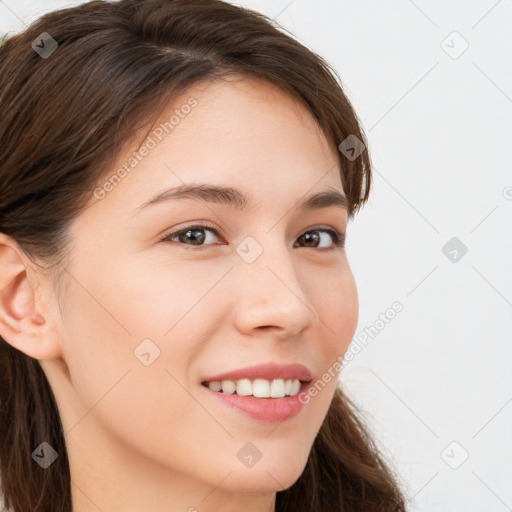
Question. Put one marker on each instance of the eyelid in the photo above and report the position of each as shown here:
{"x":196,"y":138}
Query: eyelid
{"x":197,"y":225}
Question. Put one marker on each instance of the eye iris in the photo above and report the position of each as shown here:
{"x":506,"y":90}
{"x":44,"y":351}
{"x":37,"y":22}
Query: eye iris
{"x":196,"y":239}
{"x":311,"y":237}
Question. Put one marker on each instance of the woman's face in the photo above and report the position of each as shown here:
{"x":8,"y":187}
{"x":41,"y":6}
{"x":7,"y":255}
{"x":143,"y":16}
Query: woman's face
{"x":144,"y":322}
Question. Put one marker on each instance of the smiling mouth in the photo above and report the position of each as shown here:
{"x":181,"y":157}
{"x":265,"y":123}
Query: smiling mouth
{"x":259,"y":388}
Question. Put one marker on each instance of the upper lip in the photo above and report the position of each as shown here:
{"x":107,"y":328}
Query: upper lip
{"x":267,"y":371}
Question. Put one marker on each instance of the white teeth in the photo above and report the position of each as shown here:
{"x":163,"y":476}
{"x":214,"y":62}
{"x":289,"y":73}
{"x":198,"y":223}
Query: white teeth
{"x":215,"y":385}
{"x":295,"y":387}
{"x":260,"y":388}
{"x":228,"y":387}
{"x":277,"y":388}
{"x":243,"y":387}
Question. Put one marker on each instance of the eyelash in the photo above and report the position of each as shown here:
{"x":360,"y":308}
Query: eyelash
{"x":337,"y":237}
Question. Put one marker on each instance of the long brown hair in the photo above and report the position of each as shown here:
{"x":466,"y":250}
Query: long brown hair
{"x":65,"y":114}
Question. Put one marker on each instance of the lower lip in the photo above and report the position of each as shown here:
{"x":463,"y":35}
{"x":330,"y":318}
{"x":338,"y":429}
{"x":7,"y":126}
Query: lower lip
{"x":266,"y":410}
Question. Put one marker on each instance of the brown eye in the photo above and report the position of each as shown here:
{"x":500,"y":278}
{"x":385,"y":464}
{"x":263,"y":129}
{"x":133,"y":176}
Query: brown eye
{"x":200,"y":236}
{"x":196,"y":236}
{"x":310,"y":239}
{"x":314,"y":239}
{"x":193,"y":235}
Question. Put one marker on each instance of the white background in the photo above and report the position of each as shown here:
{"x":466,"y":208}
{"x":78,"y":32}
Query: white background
{"x":439,"y":129}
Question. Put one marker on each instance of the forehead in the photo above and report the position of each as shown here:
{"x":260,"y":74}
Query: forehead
{"x":243,"y":132}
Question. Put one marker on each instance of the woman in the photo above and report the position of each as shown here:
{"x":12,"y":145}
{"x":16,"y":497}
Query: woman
{"x":177,"y":178}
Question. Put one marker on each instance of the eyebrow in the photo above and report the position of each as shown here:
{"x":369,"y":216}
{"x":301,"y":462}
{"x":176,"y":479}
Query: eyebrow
{"x":235,"y":198}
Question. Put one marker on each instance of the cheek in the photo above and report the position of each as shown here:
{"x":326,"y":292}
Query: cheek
{"x":336,"y":303}
{"x":144,"y":407}
{"x":105,"y":319}
{"x":97,"y":344}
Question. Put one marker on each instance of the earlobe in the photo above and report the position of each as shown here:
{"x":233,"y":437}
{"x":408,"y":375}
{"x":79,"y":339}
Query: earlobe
{"x":21,"y":324}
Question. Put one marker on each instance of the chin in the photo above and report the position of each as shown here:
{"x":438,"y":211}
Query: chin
{"x":265,"y":478}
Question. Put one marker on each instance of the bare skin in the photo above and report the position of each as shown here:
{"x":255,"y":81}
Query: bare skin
{"x":151,"y":437}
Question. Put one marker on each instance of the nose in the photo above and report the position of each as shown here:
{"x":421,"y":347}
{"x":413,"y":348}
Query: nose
{"x":270,"y":294}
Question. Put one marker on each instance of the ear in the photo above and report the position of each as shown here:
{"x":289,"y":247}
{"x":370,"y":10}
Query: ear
{"x":24,"y":320}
